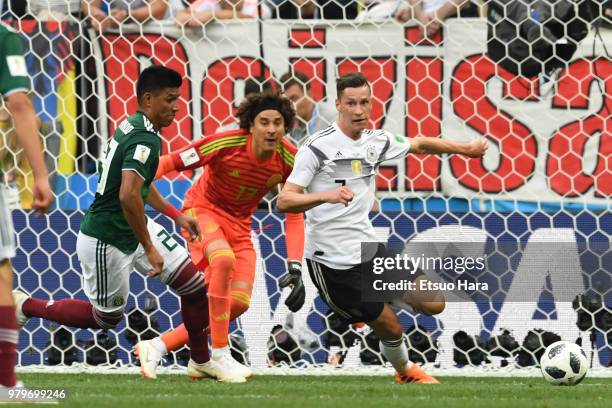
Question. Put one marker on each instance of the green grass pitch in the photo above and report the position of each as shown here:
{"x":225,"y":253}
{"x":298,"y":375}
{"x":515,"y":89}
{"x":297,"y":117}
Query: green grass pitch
{"x":94,"y":390}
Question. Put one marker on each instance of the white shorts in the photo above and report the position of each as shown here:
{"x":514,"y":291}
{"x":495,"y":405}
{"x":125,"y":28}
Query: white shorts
{"x":106,"y":270}
{"x":7,"y":234}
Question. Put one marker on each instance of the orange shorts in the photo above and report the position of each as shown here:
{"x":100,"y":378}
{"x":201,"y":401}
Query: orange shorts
{"x":215,"y":225}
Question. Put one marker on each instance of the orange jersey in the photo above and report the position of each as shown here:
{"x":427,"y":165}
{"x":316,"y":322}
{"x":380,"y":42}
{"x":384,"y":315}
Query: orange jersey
{"x":233,"y":181}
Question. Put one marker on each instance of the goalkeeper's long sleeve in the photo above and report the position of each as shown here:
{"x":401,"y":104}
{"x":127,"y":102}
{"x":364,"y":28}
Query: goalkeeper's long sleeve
{"x":199,"y":152}
{"x":294,"y":229}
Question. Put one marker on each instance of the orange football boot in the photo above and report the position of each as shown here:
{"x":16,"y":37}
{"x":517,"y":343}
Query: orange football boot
{"x":415,"y":375}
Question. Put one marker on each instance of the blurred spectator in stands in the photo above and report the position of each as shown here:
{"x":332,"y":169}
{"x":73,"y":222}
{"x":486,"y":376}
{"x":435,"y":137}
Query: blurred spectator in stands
{"x":293,"y":9}
{"x":429,"y":13}
{"x":54,"y":9}
{"x":317,"y":9}
{"x":202,"y":11}
{"x":383,"y":9}
{"x":338,"y":9}
{"x":120,"y":11}
{"x":432,"y":13}
{"x":251,"y":86}
{"x":311,"y":116}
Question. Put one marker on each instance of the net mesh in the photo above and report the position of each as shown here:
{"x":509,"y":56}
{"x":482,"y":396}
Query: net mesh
{"x":546,"y":177}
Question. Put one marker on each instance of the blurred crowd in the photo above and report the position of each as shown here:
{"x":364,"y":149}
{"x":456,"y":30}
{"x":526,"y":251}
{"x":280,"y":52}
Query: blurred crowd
{"x":105,"y":14}
{"x":312,"y":114}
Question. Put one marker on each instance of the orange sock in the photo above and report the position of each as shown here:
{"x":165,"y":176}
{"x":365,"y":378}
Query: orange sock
{"x":220,"y":269}
{"x":176,"y":338}
{"x":240,"y":302}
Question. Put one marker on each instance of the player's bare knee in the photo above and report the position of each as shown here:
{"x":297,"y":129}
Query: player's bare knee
{"x":432,"y":308}
{"x":107,"y":320}
{"x":428,"y":302}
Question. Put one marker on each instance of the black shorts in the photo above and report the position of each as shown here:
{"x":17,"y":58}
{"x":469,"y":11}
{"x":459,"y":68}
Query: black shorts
{"x":341,"y":289}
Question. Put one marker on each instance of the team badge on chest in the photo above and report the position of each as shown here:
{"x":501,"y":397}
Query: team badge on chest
{"x":371,"y":154}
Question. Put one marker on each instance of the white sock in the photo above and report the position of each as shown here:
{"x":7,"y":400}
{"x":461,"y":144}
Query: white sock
{"x":218,"y":353}
{"x":396,"y":352}
{"x":160,"y":346}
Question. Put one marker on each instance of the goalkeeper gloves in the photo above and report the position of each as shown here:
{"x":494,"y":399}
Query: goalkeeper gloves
{"x":293,"y":279}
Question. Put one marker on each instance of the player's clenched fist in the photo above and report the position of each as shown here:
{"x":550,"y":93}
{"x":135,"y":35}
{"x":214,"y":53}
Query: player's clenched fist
{"x":477,"y":147}
{"x":190,"y":224}
{"x":43,"y":197}
{"x":156,"y":261}
{"x":340,"y":195}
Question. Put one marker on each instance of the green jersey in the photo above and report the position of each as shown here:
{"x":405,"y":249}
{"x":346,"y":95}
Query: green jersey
{"x":13,"y":71}
{"x":135,"y":146}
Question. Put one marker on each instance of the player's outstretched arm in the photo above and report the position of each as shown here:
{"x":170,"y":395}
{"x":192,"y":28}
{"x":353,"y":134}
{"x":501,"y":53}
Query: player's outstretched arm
{"x":434,"y":145}
{"x":159,"y":203}
{"x":187,"y":158}
{"x":294,"y":239}
{"x":26,"y":129}
{"x":133,"y":208}
{"x":292,"y":198}
{"x":166,"y":165}
{"x":198,"y":153}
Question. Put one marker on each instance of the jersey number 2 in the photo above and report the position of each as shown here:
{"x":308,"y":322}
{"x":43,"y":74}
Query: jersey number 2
{"x":167,"y":240}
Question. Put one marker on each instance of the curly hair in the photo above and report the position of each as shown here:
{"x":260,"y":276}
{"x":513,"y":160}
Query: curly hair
{"x":253,"y":105}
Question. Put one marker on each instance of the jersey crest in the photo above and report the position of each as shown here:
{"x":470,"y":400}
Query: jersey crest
{"x":371,"y":154}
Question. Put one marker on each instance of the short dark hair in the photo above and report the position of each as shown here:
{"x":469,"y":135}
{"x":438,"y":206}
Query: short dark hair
{"x":295,"y":78}
{"x":155,"y":78}
{"x":256,"y":103}
{"x":257,"y":84}
{"x":351,"y":80}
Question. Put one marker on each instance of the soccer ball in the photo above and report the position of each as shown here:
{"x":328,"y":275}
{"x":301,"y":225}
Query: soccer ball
{"x":564,"y":363}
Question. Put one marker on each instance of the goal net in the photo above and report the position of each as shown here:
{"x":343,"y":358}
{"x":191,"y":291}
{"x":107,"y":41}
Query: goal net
{"x":536,"y":208}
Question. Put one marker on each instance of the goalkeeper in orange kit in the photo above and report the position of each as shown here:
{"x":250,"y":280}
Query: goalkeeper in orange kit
{"x":240,"y":167}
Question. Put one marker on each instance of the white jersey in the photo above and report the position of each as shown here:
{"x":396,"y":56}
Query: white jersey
{"x":327,"y":160}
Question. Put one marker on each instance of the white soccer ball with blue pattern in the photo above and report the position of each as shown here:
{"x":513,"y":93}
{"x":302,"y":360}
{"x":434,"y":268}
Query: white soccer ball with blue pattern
{"x":564,"y":363}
